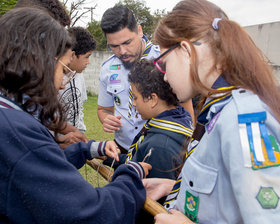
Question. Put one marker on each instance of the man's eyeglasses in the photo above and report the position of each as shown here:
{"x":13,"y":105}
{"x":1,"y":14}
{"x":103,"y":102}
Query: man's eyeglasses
{"x":69,"y":74}
{"x":159,"y":64}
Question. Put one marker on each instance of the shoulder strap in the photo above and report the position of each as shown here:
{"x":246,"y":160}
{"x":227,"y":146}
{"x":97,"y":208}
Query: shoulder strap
{"x":242,"y":98}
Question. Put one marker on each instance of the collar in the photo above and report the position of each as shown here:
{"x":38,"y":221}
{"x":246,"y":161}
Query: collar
{"x":176,"y":120}
{"x":9,"y":104}
{"x":213,"y":105}
{"x":148,"y":46}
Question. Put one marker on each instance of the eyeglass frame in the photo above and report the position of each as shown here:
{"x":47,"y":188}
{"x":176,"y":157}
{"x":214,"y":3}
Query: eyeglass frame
{"x":68,"y":77}
{"x":156,"y":60}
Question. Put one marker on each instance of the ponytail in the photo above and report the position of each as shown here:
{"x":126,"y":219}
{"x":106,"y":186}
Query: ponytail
{"x":245,"y":66}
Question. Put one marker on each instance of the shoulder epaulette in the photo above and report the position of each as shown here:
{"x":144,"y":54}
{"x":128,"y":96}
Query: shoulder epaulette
{"x":109,"y":59}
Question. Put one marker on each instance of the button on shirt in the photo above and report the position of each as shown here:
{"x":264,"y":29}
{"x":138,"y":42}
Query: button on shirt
{"x":114,"y":91}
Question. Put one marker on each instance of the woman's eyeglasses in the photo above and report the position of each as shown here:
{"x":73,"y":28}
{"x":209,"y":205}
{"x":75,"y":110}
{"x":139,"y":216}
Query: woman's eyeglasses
{"x":160,"y":65}
{"x":69,"y":74}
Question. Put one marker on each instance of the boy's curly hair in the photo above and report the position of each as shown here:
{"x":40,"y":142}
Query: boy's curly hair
{"x":83,"y":40}
{"x":148,"y":79}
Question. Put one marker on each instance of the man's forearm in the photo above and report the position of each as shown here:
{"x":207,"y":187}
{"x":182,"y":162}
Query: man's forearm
{"x":103,"y":112}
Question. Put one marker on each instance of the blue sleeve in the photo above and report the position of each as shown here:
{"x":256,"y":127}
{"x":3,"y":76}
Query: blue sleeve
{"x":45,"y":188}
{"x":78,"y":153}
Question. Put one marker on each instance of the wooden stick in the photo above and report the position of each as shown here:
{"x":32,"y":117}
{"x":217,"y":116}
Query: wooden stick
{"x":102,"y":169}
{"x":150,"y":205}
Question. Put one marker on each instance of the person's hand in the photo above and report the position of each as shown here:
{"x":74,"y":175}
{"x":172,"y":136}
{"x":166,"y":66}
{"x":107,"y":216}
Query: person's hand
{"x":174,"y":217}
{"x":112,"y":123}
{"x":158,"y":187}
{"x":112,"y":150}
{"x":81,"y":136}
{"x":146,"y":167}
{"x":71,"y":138}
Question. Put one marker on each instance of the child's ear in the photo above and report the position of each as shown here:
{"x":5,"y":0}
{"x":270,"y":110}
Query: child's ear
{"x":154,"y":100}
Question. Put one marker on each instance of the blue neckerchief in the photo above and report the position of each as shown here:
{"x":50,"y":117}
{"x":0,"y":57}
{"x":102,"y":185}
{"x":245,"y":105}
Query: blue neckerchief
{"x":210,"y":108}
{"x":148,"y":46}
{"x":219,"y":84}
{"x":176,"y":120}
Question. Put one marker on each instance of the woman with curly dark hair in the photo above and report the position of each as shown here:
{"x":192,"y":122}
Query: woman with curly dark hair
{"x":40,"y":182}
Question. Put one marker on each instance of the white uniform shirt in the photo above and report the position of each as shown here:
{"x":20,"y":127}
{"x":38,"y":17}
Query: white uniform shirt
{"x":114,"y":91}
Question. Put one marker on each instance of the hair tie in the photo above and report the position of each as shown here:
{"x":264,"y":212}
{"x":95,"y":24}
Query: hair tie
{"x":215,"y":23}
{"x":42,"y":36}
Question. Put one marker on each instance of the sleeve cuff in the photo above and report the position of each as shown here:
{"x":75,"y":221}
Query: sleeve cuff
{"x":138,"y":168}
{"x":97,"y":149}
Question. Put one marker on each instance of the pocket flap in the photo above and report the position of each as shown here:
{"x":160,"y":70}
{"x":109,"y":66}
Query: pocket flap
{"x":115,"y":88}
{"x":201,"y":178}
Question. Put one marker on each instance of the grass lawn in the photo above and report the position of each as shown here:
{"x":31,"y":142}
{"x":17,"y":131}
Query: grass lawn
{"x":94,"y":131}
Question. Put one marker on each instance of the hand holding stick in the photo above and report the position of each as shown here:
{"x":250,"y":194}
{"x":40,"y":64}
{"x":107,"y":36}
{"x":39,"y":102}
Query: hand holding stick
{"x":150,"y":205}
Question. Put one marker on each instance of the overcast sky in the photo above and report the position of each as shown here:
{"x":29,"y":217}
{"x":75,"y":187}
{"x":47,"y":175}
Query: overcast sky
{"x":245,"y":12}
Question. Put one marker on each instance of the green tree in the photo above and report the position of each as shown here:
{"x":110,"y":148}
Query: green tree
{"x":158,"y":14}
{"x":6,"y":5}
{"x":142,"y":14}
{"x":95,"y":29}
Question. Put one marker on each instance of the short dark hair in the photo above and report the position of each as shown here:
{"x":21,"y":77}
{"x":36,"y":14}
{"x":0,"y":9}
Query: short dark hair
{"x":117,"y":18}
{"x":83,"y":40}
{"x":53,"y":7}
{"x":148,"y":79}
{"x":31,"y":44}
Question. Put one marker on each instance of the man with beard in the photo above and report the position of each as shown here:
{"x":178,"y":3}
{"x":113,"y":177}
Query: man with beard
{"x":128,"y":43}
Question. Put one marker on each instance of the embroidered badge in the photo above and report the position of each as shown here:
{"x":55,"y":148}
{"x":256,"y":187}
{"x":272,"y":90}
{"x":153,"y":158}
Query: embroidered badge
{"x":191,"y":206}
{"x":267,"y":154}
{"x":259,"y":149}
{"x":213,"y":122}
{"x":117,"y":100}
{"x":267,"y":198}
{"x":114,"y":79}
{"x":115,"y":67}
